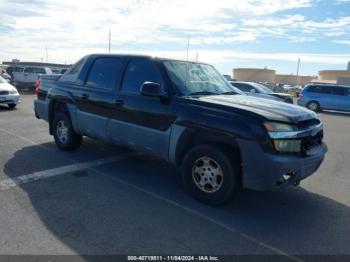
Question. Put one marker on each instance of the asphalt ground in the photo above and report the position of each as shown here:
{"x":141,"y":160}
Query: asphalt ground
{"x":104,"y":199}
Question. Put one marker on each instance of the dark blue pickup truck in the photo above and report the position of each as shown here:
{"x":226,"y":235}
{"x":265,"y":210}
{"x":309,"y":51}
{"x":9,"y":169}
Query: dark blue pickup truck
{"x":185,"y":113}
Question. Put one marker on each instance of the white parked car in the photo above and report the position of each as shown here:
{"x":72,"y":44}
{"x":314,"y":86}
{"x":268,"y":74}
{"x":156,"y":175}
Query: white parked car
{"x":28,"y":77}
{"x":8,"y":94}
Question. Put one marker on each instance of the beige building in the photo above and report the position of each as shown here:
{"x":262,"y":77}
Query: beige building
{"x":341,"y":77}
{"x":293,"y":79}
{"x":254,"y":74}
{"x":333,"y":77}
{"x":268,"y":75}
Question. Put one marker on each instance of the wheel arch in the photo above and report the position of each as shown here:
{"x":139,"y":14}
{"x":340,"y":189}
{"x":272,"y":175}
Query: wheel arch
{"x":192,"y":137}
{"x":56,"y":105}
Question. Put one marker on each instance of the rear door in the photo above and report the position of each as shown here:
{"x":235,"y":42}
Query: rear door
{"x":143,"y":123}
{"x":96,"y":100}
{"x":340,"y":98}
{"x":18,"y":74}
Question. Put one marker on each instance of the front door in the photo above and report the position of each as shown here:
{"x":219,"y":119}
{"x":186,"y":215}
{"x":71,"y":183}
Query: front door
{"x":143,"y":123}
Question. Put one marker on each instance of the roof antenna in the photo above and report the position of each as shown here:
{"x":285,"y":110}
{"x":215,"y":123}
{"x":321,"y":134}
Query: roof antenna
{"x":188,"y":46}
{"x":46,"y":53}
{"x":109,"y":40}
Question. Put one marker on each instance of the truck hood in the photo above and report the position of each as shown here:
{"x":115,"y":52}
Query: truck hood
{"x":269,"y":109}
{"x":266,"y":96}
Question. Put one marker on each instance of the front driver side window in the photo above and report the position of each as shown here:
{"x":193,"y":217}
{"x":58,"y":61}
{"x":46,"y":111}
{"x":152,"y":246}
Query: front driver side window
{"x":140,"y":70}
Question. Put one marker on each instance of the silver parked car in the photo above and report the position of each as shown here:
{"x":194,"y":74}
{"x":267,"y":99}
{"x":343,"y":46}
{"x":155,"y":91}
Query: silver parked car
{"x":8,"y":94}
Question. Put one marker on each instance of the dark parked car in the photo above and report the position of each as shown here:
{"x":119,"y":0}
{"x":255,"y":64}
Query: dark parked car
{"x":324,"y":96}
{"x":187,"y":114}
{"x":259,"y":90}
{"x":11,"y":70}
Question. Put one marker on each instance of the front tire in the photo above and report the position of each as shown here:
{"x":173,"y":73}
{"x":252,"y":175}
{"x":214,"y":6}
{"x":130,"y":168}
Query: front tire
{"x":12,"y":106}
{"x":210,"y":175}
{"x":64,"y":134}
{"x":314,"y":106}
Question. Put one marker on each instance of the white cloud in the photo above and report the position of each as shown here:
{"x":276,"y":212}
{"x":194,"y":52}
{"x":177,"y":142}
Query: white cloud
{"x":344,"y":42}
{"x":72,"y":29}
{"x":66,"y":23}
{"x":297,"y":28}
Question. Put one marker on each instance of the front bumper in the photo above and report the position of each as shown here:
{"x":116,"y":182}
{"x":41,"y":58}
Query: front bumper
{"x":301,"y":101}
{"x":264,"y":171}
{"x":10,"y":99}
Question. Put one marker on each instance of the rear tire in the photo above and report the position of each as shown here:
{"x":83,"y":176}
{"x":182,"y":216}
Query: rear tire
{"x":65,"y":136}
{"x":314,"y":106}
{"x":12,"y":106}
{"x":210,"y":175}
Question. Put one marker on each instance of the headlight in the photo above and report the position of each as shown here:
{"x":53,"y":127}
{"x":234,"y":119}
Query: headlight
{"x":279,"y":127}
{"x":13,"y":92}
{"x":287,"y":146}
{"x":277,"y":131}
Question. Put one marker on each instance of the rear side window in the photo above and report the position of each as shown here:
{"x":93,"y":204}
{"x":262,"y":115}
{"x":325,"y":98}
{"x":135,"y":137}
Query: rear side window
{"x":140,"y":70}
{"x":76,"y":67}
{"x":319,"y":89}
{"x":243,"y":87}
{"x":339,"y":91}
{"x":71,"y":75}
{"x":28,"y":70}
{"x":104,"y":72}
{"x":34,"y":70}
{"x":39,"y":70}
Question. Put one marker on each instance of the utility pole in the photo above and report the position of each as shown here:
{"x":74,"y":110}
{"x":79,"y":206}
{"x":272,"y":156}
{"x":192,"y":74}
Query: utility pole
{"x":298,"y":66}
{"x":298,"y":71}
{"x":109,"y":40}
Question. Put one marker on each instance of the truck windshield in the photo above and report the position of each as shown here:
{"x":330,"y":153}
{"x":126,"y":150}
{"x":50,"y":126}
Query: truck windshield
{"x":192,"y":78}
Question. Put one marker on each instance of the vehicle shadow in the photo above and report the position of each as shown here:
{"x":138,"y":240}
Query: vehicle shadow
{"x":47,"y":156}
{"x":99,"y":214}
{"x":336,"y":113}
{"x":5,"y":108}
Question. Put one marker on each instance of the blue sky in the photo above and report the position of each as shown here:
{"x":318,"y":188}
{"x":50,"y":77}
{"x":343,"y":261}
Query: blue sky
{"x":226,"y":33}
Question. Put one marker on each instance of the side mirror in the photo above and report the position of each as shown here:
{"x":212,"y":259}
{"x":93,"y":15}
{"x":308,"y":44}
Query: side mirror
{"x":252,"y":90}
{"x":152,"y":90}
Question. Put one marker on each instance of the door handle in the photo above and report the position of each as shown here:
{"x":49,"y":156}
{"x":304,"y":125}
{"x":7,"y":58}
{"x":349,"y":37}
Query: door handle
{"x":85,"y":96}
{"x":119,"y":102}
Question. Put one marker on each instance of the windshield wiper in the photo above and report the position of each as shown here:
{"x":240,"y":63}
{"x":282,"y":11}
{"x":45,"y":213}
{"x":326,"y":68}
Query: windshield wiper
{"x":229,"y":93}
{"x":202,"y":93}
